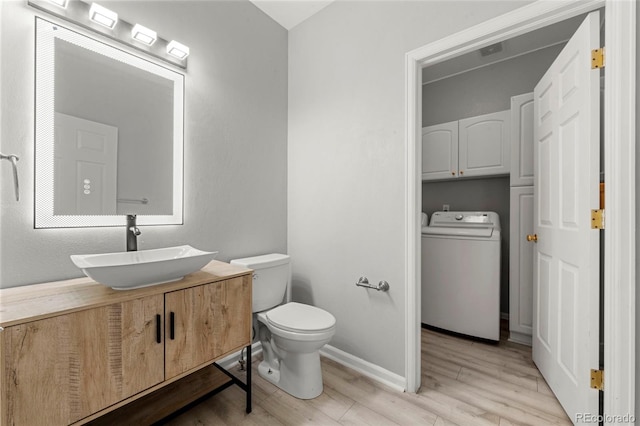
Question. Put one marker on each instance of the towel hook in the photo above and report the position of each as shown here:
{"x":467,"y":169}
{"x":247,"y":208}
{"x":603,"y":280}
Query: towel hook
{"x":14,"y":162}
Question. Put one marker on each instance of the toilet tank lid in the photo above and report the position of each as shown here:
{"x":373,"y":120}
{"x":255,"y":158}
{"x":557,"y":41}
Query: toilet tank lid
{"x":263,"y":261}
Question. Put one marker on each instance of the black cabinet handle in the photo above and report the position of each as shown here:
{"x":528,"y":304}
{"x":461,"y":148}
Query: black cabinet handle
{"x":172,"y":320}
{"x":158,"y":328}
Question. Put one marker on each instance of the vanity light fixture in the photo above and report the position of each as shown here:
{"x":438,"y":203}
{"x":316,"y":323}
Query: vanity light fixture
{"x":143,"y":34}
{"x":60,"y":3}
{"x":96,"y":18}
{"x":103,"y":16}
{"x":178,"y":50}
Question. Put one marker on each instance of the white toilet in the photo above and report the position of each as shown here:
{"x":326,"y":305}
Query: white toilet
{"x":292,"y":333}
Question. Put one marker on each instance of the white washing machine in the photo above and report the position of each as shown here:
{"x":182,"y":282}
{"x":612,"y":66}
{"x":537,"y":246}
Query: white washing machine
{"x":461,"y":273}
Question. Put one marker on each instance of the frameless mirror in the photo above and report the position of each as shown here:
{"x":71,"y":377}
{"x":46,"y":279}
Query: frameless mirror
{"x":109,"y":134}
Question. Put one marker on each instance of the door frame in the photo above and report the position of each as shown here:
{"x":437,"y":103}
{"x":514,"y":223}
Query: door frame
{"x":619,"y":151}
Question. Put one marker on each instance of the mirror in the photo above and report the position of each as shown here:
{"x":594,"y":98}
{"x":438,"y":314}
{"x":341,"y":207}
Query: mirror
{"x":109,"y":134}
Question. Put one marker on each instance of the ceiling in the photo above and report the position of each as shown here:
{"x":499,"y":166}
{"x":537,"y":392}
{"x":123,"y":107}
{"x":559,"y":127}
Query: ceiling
{"x":290,"y":13}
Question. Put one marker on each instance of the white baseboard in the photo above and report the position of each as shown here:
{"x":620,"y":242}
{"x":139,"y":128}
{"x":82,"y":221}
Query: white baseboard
{"x":504,"y":315}
{"x":521,"y":338}
{"x":366,"y":368}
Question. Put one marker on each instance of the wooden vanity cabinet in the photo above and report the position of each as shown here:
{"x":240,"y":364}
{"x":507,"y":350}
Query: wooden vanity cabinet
{"x":206,"y":322}
{"x":59,"y":370}
{"x":74,"y":350}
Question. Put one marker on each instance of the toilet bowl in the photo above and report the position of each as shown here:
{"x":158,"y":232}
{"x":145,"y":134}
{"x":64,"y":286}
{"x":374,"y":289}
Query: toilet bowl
{"x":291,"y":334}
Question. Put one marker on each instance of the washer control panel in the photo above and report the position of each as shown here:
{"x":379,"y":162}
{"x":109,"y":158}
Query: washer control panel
{"x":484,"y":219}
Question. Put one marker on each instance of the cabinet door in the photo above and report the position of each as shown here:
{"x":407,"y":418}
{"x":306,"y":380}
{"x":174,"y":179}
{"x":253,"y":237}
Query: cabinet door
{"x":440,"y":151}
{"x":521,"y":265}
{"x":206,"y":322}
{"x":59,"y":370}
{"x":522,"y":140}
{"x":484,"y":145}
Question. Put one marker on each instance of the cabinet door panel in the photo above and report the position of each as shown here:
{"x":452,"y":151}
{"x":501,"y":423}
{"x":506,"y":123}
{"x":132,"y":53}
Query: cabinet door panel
{"x":522,"y":140}
{"x":208,"y":321}
{"x":521,"y":265}
{"x":440,"y":151}
{"x":142,"y":355}
{"x":62,"y":369}
{"x":484,"y":145}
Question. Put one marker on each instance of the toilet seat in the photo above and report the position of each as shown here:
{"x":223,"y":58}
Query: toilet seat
{"x":300,"y":318}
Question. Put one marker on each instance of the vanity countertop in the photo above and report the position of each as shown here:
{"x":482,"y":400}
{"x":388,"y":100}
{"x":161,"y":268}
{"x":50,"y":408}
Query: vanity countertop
{"x":39,"y":301}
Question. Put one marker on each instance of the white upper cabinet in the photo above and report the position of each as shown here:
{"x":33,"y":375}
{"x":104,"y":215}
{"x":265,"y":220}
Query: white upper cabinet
{"x":522,"y":140}
{"x":440,"y":151}
{"x":485,"y":145}
{"x":477,"y":146}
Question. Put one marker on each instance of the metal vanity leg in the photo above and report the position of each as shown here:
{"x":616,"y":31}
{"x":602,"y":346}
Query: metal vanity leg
{"x":248,"y":379}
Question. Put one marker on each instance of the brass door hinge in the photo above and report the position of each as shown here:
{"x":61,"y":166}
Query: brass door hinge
{"x":597,"y":379}
{"x":597,"y":219}
{"x":597,"y":58}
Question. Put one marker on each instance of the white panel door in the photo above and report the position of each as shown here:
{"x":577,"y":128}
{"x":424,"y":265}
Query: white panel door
{"x":485,"y":145}
{"x":566,"y":262}
{"x":440,"y":151}
{"x":85,"y":172}
{"x":522,"y":140}
{"x":521,"y":265}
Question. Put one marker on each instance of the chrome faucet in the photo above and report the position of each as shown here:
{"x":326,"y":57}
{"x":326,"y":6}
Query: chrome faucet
{"x":132,"y":233}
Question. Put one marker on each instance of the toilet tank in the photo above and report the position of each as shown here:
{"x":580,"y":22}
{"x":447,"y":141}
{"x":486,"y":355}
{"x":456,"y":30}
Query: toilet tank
{"x":270,"y":279}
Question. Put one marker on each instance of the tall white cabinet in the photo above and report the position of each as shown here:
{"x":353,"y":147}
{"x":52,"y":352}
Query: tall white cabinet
{"x":522,"y":140}
{"x":521,"y":220}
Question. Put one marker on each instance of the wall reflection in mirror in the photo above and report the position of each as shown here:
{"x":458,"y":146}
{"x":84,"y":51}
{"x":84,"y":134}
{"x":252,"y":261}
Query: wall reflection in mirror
{"x":109,"y":134}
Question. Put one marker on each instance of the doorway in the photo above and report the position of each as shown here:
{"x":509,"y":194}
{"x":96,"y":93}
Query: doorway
{"x":620,"y":198}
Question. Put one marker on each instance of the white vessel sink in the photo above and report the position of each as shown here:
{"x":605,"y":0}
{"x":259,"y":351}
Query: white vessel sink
{"x":135,"y":269}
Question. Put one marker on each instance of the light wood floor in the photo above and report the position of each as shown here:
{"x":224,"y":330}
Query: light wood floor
{"x":463,"y":382}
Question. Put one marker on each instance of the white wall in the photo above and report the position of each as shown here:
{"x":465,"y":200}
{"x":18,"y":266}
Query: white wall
{"x":235,"y":139}
{"x":347,"y":168}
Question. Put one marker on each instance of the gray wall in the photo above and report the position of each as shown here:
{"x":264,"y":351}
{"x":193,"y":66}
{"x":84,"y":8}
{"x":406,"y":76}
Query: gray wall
{"x":235,"y":139}
{"x":484,"y":90}
{"x":477,"y":92}
{"x":347,"y":162}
